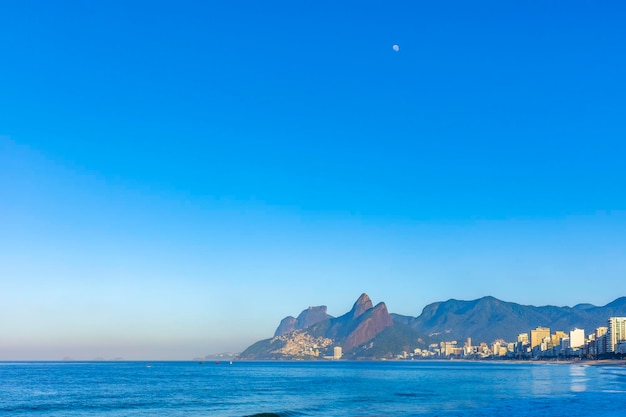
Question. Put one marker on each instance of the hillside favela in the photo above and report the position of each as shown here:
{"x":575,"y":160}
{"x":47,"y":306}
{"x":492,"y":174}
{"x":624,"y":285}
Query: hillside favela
{"x":483,"y":329}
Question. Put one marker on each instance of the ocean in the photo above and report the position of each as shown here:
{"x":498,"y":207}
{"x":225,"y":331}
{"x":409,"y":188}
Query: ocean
{"x":364,"y":389}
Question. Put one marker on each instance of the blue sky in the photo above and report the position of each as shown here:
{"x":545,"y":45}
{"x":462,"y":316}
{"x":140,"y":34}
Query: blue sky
{"x":175,"y":178}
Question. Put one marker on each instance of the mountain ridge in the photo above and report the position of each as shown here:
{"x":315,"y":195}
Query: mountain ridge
{"x":488,"y":318}
{"x":370,"y":331}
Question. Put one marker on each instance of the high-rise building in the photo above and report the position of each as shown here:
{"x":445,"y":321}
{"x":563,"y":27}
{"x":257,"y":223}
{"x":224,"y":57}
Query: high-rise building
{"x":576,"y":338}
{"x":601,"y":343}
{"x":449,"y":348}
{"x":600,"y":340}
{"x":337,"y":352}
{"x":616,"y":333}
{"x":537,"y":336}
{"x":522,"y":338}
{"x":557,"y":336}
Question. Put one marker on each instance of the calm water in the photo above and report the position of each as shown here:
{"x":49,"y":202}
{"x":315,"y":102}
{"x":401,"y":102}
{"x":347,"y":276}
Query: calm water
{"x":310,"y":389}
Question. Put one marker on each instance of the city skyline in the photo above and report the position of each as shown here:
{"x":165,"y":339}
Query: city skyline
{"x":447,"y":330}
{"x":174,"y":180}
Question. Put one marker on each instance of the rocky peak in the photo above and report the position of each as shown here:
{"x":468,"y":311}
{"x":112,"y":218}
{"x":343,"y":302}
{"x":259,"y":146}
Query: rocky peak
{"x":373,"y":322}
{"x":310,"y":316}
{"x":307,"y":318}
{"x":287,"y":325}
{"x":361,"y":306}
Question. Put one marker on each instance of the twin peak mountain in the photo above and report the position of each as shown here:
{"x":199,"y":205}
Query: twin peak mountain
{"x":371,"y":332}
{"x":314,"y":330}
{"x":357,"y":326}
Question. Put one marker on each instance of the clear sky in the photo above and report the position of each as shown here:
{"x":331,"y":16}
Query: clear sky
{"x":177,"y":177}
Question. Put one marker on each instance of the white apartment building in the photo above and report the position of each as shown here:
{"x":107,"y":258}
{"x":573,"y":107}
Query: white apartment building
{"x":576,"y":338}
{"x":616,"y":333}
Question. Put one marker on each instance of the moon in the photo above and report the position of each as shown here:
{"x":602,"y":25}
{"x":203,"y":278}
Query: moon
{"x":395,"y":48}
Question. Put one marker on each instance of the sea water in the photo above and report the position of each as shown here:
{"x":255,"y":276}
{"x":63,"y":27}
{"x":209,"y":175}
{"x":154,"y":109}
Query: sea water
{"x":403,"y":388}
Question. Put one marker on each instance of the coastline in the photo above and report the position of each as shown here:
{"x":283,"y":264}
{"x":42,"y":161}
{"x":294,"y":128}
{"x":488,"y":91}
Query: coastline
{"x":583,"y":362}
{"x":604,"y":362}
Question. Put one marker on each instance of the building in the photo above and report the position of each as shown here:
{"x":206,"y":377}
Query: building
{"x":495,"y":348}
{"x":601,"y":343}
{"x":577,"y":338}
{"x":601,"y":331}
{"x":449,"y":348}
{"x":557,"y":336}
{"x":616,"y":333}
{"x":598,"y":345}
{"x":538,"y":335}
{"x":337,"y":352}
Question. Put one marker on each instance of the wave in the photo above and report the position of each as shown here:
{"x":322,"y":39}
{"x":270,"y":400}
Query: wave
{"x":281,"y":414}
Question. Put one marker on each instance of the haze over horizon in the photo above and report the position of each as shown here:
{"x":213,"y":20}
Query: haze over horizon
{"x":175,"y":180}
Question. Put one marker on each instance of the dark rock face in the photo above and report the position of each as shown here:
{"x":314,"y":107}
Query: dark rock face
{"x":361,"y":324}
{"x":307,"y":318}
{"x":287,"y":325}
{"x":311,"y":316}
{"x":370,"y":323}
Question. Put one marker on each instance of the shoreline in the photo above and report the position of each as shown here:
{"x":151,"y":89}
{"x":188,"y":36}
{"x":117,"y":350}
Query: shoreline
{"x":582,"y":362}
{"x":621,"y":363}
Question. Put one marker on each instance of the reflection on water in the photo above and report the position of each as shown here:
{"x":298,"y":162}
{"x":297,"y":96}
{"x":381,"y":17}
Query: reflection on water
{"x":555,"y":379}
{"x":542,"y":380}
{"x":578,"y":381}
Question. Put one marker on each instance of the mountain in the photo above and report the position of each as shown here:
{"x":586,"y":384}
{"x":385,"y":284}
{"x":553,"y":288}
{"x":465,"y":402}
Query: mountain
{"x":355,"y":329}
{"x":391,"y":341}
{"x":362,"y":323}
{"x":487,"y":319}
{"x":369,"y":331}
{"x":307,"y":318}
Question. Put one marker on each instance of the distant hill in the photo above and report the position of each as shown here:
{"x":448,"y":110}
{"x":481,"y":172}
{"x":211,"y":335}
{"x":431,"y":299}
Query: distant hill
{"x":368,"y":331}
{"x":488,"y":318}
